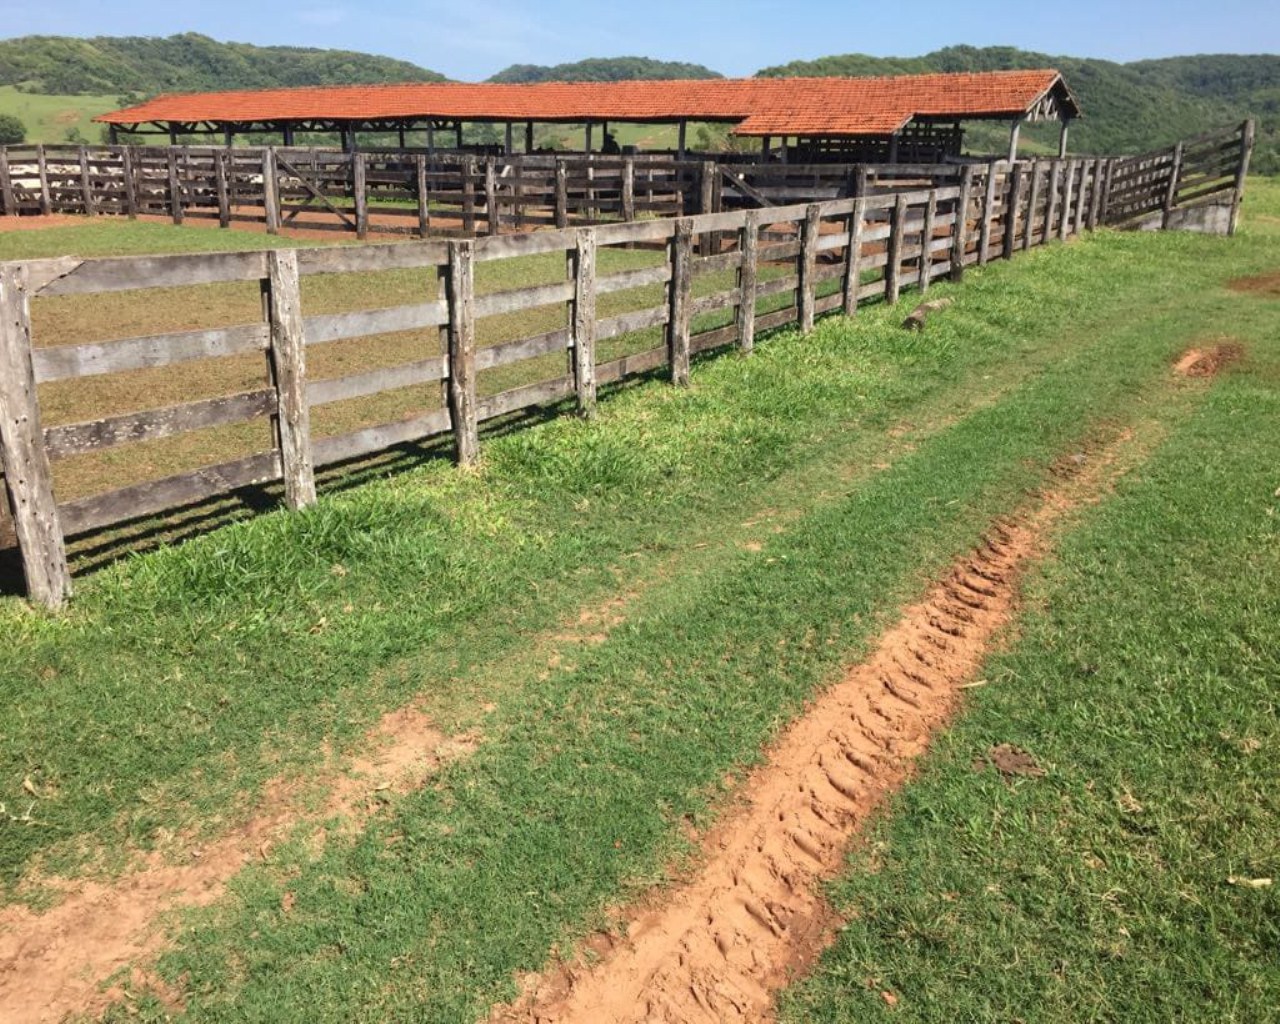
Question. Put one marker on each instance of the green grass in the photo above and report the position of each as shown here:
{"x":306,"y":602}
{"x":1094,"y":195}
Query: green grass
{"x":49,"y":118}
{"x":182,"y":681}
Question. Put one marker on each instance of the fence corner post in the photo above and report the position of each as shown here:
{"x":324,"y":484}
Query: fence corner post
{"x":27,"y":477}
{"x":462,"y":351}
{"x":289,"y":376}
{"x":1242,"y":171}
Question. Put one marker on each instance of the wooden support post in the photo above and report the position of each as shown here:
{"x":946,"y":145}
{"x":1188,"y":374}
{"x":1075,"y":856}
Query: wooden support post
{"x":961,"y":229}
{"x":493,"y":219}
{"x":509,"y":140}
{"x":42,"y":171}
{"x":6,"y":185}
{"x":680,"y":139}
{"x":175,"y":186}
{"x":86,"y":184}
{"x":1033,"y":200}
{"x":1013,"y":140}
{"x":749,"y":245}
{"x":1095,"y":192}
{"x":469,"y":196}
{"x":528,"y":136}
{"x":706,"y":203}
{"x":1242,"y":171}
{"x":926,"y":241}
{"x":1051,"y":207}
{"x":629,"y":189}
{"x":220,"y":159}
{"x":270,"y":191}
{"x":853,"y":256}
{"x":1106,"y":190}
{"x":289,"y":375}
{"x":1064,"y":228}
{"x":1062,"y":138}
{"x":130,"y":183}
{"x":28,"y":481}
{"x":562,"y":195}
{"x":424,"y":198}
{"x":1171,"y":192}
{"x":462,"y":351}
{"x":583,"y":325}
{"x":808,"y":265}
{"x":1011,"y":218}
{"x":988,"y":212}
{"x":1082,"y":210}
{"x":360,"y":193}
{"x":679,"y":292}
{"x":893,"y":267}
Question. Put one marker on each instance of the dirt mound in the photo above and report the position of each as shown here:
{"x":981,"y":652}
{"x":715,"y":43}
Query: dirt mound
{"x":717,"y":948}
{"x":1209,"y":361}
{"x":52,"y":964}
{"x":1267,"y":284}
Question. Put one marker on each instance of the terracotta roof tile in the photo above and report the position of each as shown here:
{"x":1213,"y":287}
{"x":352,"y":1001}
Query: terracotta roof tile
{"x":759,"y":106}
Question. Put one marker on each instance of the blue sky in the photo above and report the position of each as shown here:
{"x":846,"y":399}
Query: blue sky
{"x":472,"y":40}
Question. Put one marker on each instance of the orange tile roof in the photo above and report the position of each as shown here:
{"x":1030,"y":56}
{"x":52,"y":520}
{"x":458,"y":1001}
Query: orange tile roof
{"x":759,"y":106}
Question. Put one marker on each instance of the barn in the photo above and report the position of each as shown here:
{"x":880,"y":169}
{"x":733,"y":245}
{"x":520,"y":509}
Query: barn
{"x":912,"y":118}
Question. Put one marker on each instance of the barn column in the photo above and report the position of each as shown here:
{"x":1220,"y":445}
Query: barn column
{"x":765,"y":145}
{"x":113,"y":135}
{"x":587,"y":137}
{"x":457,"y":134}
{"x":528,"y":136}
{"x":684,"y":128}
{"x":1062,"y":137}
{"x":1013,"y":139}
{"x":510,"y":140}
{"x":288,"y":135}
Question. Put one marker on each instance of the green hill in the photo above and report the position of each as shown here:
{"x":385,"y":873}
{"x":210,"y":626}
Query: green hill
{"x":604,"y":69}
{"x":61,"y":65}
{"x":1127,"y":107}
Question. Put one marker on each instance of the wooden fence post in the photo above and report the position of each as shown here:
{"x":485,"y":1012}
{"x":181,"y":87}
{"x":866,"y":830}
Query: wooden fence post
{"x":130,"y":183}
{"x":1033,"y":200}
{"x":469,"y":196}
{"x":961,"y":229}
{"x":360,"y":193}
{"x":583,"y":327}
{"x":808,"y":265}
{"x":926,"y":241}
{"x":6,"y":184}
{"x":853,"y":256}
{"x":493,"y":219}
{"x":1011,"y":212}
{"x":27,"y":478}
{"x":678,"y":296}
{"x":629,"y":189}
{"x":270,"y":191}
{"x":175,"y":186}
{"x":988,"y":212}
{"x":1051,"y":207}
{"x":893,"y":266}
{"x":562,"y":194}
{"x":706,"y":203}
{"x":86,"y":184}
{"x":1242,"y":170}
{"x":289,"y":376}
{"x":749,"y":245}
{"x":42,"y":170}
{"x":462,"y":351}
{"x":424,"y":197}
{"x":1095,"y":195}
{"x":220,"y":159}
{"x":1064,"y":228}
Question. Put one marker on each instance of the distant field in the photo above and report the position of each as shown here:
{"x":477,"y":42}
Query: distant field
{"x":50,"y":118}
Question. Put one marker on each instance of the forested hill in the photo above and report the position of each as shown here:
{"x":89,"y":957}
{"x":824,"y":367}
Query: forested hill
{"x":184,"y":63}
{"x":1127,"y":107}
{"x":604,"y":69}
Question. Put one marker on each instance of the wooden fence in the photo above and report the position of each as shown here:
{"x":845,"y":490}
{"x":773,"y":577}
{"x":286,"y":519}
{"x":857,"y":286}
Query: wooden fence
{"x":714,"y":280}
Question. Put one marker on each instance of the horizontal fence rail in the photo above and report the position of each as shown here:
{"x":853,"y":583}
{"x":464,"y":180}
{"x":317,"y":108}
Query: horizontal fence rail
{"x":710,"y":280}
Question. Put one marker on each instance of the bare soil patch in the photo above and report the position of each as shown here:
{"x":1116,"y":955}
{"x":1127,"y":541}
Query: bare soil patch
{"x":1209,"y":360}
{"x":52,"y":965}
{"x":1267,"y":284}
{"x":717,"y":948}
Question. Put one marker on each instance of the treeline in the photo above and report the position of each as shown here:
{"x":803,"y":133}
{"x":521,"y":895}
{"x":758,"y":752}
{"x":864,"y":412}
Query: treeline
{"x":1127,"y":107}
{"x":604,"y":69}
{"x":138,"y":66}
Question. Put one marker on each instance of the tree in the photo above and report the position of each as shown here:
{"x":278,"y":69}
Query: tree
{"x":12,"y":130}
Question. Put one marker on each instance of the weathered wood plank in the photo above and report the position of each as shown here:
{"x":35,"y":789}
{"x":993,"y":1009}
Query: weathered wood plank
{"x":524,"y":397}
{"x":462,"y":351}
{"x":1012,"y":210}
{"x":679,"y":292}
{"x":893,"y":268}
{"x":807,"y":265}
{"x":853,"y":255}
{"x":27,"y":477}
{"x":360,"y":193}
{"x":372,"y":382}
{"x":289,"y":372}
{"x":961,"y":227}
{"x":988,"y":213}
{"x":127,"y":273}
{"x":926,"y":242}
{"x":93,"y":358}
{"x":630,"y":365}
{"x":584,"y":322}
{"x":341,"y":447}
{"x":326,"y":327}
{"x":270,"y":191}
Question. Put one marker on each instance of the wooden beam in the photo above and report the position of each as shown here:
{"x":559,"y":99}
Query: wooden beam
{"x":679,"y":292}
{"x":853,"y":253}
{"x":893,"y":265}
{"x":749,"y":244}
{"x":1013,"y":140}
{"x":583,"y":324}
{"x":289,"y":376}
{"x":1062,"y":137}
{"x":1242,"y":170}
{"x":27,"y":478}
{"x":808,"y":260}
{"x":961,"y":227}
{"x":462,"y":351}
{"x":680,"y":143}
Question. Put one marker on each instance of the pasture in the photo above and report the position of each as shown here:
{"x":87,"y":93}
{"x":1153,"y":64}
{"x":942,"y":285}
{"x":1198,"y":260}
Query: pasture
{"x":536,"y":686}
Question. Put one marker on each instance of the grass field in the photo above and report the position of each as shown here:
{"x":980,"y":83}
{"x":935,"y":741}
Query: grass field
{"x":620,"y":614}
{"x":50,"y":118}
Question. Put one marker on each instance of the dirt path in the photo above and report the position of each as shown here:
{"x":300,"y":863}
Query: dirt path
{"x":719,"y":948}
{"x":53,"y":964}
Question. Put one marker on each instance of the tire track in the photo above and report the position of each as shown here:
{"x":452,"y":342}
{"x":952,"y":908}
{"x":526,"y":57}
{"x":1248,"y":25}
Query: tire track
{"x":719,"y":947}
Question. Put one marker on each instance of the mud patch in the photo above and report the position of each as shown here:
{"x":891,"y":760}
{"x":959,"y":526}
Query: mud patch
{"x":52,"y":965}
{"x":1011,"y":762}
{"x":717,"y":948}
{"x":1208,"y":361}
{"x":1267,"y":284}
